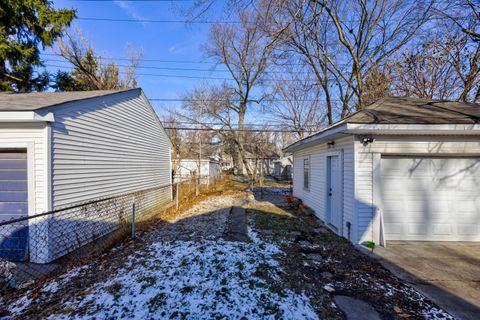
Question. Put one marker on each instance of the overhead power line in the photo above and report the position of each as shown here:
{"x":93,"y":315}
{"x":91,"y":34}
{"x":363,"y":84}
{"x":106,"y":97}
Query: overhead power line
{"x":278,"y":123}
{"x":153,"y":67}
{"x":225,"y":100}
{"x":177,"y":68}
{"x":231,"y":130}
{"x":145,"y":60}
{"x":132,"y":0}
{"x":155,"y":74}
{"x":213,"y":63}
{"x":193,"y":21}
{"x":186,"y":76}
{"x":158,"y":21}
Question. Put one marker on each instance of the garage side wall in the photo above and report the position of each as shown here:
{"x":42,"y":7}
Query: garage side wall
{"x":315,"y":197}
{"x":102,"y":148}
{"x":107,"y":146}
{"x":365,"y":162}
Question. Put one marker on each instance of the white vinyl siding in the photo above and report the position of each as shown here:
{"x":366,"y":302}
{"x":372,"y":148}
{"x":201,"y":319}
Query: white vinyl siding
{"x":398,"y":145}
{"x":315,"y":197}
{"x":107,"y":146}
{"x":33,"y":135}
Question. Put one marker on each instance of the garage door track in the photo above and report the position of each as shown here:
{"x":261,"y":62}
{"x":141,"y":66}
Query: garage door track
{"x":446,"y":272}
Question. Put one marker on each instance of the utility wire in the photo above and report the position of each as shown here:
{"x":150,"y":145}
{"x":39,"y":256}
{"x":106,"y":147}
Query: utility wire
{"x":146,"y":60}
{"x":159,"y":21}
{"x":132,"y":0}
{"x":246,"y":124}
{"x":193,"y":21}
{"x":177,"y":69}
{"x":154,"y":74}
{"x":251,"y":100}
{"x":188,"y":77}
{"x":182,"y":61}
{"x":231,"y":130}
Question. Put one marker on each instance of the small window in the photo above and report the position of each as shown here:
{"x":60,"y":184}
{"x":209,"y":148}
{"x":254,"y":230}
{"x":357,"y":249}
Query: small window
{"x":306,"y":173}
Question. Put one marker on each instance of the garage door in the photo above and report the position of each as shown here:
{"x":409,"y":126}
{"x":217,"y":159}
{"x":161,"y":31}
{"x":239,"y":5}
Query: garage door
{"x":432,"y":199}
{"x":13,"y":204}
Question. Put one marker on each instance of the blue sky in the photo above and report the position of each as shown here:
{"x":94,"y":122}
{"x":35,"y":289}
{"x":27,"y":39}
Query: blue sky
{"x":164,"y":41}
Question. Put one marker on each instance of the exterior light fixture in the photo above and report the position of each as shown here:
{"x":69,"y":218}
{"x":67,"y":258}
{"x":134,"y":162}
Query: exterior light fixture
{"x":367,"y":140}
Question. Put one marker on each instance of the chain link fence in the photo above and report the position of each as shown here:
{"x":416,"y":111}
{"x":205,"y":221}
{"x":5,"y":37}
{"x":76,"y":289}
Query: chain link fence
{"x":39,"y":245}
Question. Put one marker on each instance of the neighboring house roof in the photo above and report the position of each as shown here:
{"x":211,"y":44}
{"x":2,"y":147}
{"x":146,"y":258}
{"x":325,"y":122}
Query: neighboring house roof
{"x":196,"y":160}
{"x":10,"y":101}
{"x":285,"y":160}
{"x":402,"y":115}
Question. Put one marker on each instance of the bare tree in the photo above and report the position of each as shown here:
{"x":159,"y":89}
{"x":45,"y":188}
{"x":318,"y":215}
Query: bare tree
{"x":297,"y":104}
{"x":377,"y":85}
{"x":304,"y":37}
{"x":425,"y":72}
{"x":445,"y":65}
{"x":342,"y":41}
{"x":177,"y":139}
{"x":216,"y":105}
{"x":465,"y":14}
{"x":372,"y":31}
{"x":245,"y":51}
{"x":91,"y":71}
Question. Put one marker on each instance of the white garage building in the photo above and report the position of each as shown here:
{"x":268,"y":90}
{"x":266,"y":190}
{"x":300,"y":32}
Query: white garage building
{"x":60,"y":149}
{"x":399,"y":169}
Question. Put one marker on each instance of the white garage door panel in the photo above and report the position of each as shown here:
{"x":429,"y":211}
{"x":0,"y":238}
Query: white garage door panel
{"x":431,"y":199}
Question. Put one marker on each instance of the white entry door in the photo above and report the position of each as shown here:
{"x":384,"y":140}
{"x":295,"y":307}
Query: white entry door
{"x":431,"y":199}
{"x":334,"y":210}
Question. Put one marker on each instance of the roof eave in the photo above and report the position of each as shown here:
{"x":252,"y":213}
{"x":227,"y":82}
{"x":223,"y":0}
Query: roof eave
{"x":414,"y":129}
{"x":25,"y":116}
{"x":329,"y":133}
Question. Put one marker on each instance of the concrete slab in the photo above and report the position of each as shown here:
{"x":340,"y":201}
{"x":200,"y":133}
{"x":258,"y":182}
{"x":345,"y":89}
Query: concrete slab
{"x":355,"y":309}
{"x":237,"y":225}
{"x":446,"y":272}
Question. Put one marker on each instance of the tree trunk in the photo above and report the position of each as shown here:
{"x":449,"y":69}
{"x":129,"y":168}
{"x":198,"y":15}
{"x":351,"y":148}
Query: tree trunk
{"x":242,"y":163}
{"x":238,"y":162}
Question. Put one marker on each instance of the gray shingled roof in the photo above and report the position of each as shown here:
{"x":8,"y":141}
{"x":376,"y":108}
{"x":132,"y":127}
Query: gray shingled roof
{"x":401,"y":110}
{"x":37,"y":100}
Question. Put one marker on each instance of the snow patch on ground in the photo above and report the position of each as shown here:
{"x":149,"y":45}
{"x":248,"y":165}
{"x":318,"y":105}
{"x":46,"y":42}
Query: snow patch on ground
{"x":197,"y":280}
{"x":430,"y":311}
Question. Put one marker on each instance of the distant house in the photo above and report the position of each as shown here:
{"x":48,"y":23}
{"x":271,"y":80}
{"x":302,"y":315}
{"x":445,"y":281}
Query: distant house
{"x":58,"y":149}
{"x":399,"y":169}
{"x":261,"y":164}
{"x":282,"y":168}
{"x":205,"y":168}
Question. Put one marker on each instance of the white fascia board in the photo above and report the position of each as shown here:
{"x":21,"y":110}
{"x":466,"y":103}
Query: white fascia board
{"x":409,"y":129}
{"x":320,"y":137}
{"x":25,"y":116}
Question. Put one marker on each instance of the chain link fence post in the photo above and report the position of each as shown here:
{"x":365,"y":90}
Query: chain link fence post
{"x":196,"y":186}
{"x":177,"y":187}
{"x":133,"y":219}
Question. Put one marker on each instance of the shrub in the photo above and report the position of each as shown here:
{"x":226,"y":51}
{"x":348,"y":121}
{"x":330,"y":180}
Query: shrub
{"x":290,"y":199}
{"x":370,"y":244}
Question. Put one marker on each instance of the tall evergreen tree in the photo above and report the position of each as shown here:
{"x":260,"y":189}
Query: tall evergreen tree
{"x":25,"y":27}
